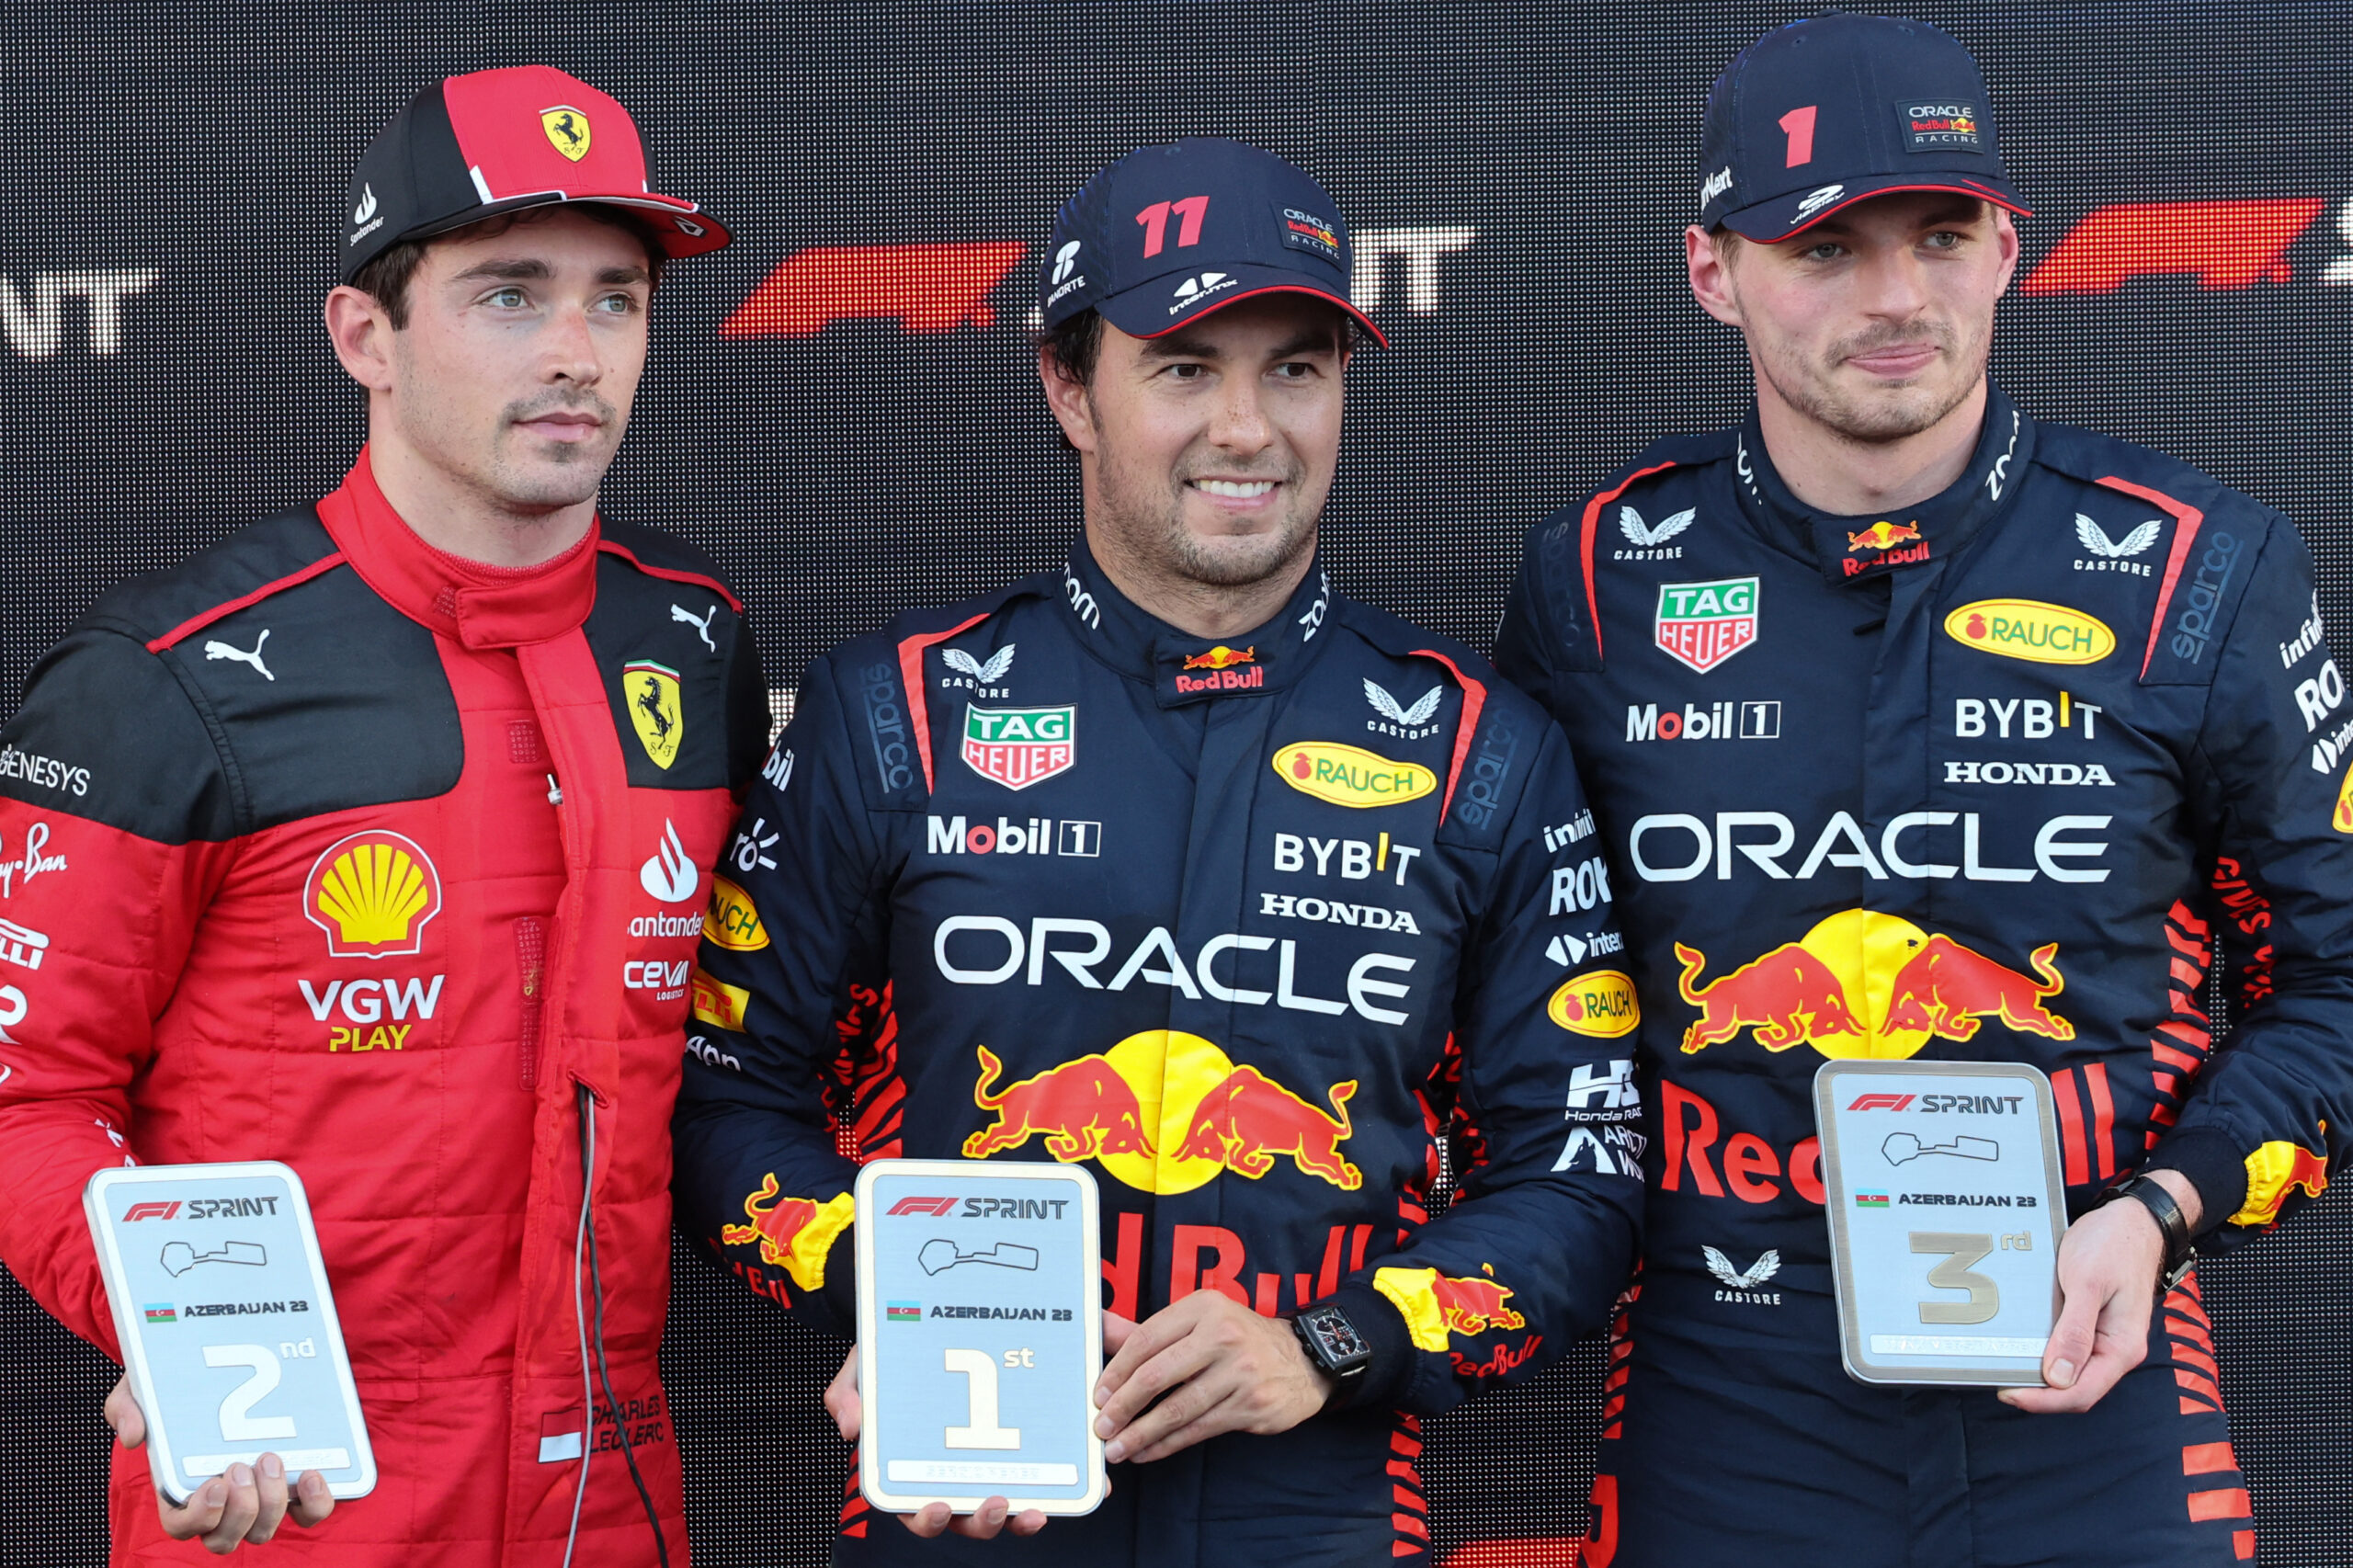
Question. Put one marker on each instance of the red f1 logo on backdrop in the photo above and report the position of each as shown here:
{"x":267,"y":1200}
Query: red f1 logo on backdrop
{"x":940,"y":288}
{"x":2223,"y":245}
{"x":150,"y":1210}
{"x":1881,"y":1102}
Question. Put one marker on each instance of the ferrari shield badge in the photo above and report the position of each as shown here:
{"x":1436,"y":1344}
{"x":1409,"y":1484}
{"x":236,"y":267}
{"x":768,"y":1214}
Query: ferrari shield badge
{"x":654,"y":708}
{"x":567,"y":131}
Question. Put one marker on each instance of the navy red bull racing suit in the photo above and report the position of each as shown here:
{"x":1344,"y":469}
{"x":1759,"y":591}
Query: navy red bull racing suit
{"x":1246,"y":927}
{"x":2007,"y":776}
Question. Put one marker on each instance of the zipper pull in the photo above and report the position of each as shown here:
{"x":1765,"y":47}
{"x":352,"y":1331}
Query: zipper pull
{"x":555,"y":791}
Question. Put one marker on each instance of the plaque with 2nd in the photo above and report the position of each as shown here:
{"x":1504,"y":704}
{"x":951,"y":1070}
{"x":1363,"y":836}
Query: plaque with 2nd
{"x":1946,"y":1211}
{"x":980,"y":1336}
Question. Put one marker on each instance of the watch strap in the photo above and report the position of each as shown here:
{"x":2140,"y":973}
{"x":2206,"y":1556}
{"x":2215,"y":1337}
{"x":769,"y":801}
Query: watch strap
{"x":2181,"y":1252}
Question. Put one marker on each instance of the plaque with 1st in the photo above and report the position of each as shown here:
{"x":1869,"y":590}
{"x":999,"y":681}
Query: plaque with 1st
{"x":979,"y":1335}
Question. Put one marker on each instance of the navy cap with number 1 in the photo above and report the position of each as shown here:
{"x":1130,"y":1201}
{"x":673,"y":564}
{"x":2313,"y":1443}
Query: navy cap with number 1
{"x":1819,"y":115}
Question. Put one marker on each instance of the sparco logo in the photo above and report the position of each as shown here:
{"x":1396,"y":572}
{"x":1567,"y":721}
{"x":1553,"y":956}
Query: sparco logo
{"x":1483,"y":792}
{"x":886,"y":723}
{"x":2196,"y":627}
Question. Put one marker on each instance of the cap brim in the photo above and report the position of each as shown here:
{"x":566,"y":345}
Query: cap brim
{"x":685,"y":229}
{"x":1151,"y":309}
{"x":1786,"y":217}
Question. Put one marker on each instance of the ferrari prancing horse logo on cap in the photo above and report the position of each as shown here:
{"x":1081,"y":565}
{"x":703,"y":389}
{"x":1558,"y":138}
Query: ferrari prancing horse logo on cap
{"x":567,"y":131}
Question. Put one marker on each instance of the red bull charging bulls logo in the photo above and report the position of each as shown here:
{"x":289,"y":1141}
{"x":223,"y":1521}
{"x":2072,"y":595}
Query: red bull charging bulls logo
{"x":793,"y":1233}
{"x":1437,"y":1305}
{"x":1866,"y":984}
{"x":1165,"y":1111}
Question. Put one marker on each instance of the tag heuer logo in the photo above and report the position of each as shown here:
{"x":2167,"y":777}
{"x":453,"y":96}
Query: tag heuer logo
{"x":1018,"y":746}
{"x":1702,"y":624}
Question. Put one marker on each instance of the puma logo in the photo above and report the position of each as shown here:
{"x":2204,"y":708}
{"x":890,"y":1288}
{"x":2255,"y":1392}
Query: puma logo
{"x":223,"y":651}
{"x":701,"y":624}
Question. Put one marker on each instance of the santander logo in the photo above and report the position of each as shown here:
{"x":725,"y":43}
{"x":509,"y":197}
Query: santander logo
{"x":669,"y":875}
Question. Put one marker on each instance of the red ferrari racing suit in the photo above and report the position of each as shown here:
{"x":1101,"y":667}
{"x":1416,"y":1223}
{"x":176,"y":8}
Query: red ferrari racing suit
{"x":331,"y":848}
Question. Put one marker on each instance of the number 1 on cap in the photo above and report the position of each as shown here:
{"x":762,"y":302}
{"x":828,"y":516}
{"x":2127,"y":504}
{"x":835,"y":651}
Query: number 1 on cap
{"x":1798,"y":125}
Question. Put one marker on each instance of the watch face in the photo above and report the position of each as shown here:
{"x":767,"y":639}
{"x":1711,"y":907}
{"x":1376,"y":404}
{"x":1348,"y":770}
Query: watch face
{"x":1336,"y":1335}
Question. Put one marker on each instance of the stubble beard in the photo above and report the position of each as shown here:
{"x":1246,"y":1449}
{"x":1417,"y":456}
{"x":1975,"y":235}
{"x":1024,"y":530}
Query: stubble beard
{"x":561,"y":473}
{"x":1150,"y":522}
{"x":1883,"y":414}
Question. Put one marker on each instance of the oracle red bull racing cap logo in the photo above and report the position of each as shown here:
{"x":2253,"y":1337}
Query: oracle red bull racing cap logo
{"x":1862,"y":984}
{"x":1702,"y":624}
{"x":1020,"y":746}
{"x":373,"y":894}
{"x":1165,"y":1112}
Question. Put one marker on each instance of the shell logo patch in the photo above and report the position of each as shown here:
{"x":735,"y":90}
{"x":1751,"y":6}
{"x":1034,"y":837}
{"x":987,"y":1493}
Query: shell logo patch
{"x":2029,"y":629}
{"x":568,"y":131}
{"x":372,"y":893}
{"x":654,"y":710}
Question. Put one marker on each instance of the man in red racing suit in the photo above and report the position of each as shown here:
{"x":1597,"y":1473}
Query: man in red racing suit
{"x":337,"y":847}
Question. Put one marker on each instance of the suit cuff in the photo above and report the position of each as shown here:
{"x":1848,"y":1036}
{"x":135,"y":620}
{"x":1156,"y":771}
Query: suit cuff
{"x":2211,"y":1160}
{"x":1386,"y":1377}
{"x":839,"y":1292}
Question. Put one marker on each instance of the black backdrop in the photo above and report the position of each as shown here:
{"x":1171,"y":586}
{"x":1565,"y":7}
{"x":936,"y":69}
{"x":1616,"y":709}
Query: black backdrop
{"x":170,"y":194}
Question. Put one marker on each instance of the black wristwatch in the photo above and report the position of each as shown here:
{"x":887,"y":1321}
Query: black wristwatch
{"x":2181,"y":1250}
{"x":1332,"y":1343}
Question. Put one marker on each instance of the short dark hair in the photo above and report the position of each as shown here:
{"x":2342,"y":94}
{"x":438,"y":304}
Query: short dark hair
{"x":387,"y":275}
{"x":1074,"y":345}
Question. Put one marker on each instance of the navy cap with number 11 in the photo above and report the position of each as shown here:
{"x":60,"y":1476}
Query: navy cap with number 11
{"x":1169,"y":234}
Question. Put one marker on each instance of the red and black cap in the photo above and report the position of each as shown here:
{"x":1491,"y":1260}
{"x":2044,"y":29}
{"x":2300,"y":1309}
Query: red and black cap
{"x":1169,"y":234}
{"x":474,"y":146}
{"x":1821,"y":114}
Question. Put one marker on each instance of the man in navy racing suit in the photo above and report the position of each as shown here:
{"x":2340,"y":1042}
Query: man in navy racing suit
{"x":1919,"y":728}
{"x":1177,"y":863}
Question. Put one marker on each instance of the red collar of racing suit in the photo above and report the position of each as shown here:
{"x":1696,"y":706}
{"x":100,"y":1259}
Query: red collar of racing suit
{"x":475,"y":604}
